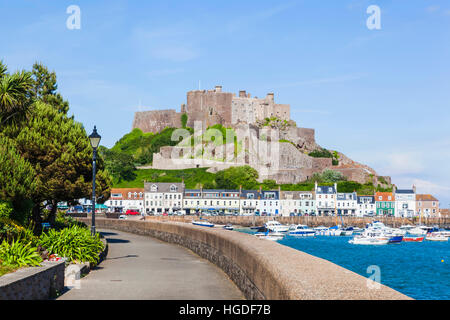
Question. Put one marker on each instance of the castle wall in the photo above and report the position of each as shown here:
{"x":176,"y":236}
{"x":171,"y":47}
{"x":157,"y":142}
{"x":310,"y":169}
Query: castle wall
{"x":210,"y":107}
{"x":156,"y":120}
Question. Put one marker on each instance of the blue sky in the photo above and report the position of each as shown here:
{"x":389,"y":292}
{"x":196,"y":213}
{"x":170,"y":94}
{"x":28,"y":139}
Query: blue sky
{"x":381,"y":97}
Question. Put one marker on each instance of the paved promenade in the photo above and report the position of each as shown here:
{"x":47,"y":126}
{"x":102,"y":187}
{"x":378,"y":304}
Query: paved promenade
{"x":139,"y":267}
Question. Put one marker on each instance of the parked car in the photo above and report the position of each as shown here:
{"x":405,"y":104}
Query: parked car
{"x":132,"y":212}
{"x":165,"y":214}
{"x":122,"y":217}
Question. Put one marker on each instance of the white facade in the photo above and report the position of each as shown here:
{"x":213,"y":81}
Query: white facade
{"x":163,"y":197}
{"x":326,"y":199}
{"x":405,"y":202}
{"x":125,"y":199}
{"x":269,"y":204}
{"x":297,"y":202}
{"x":366,"y":206}
{"x":347,"y":204}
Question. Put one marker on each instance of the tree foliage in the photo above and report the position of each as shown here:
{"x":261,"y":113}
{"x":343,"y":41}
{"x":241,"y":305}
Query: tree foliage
{"x":45,"y":86}
{"x":58,"y":149}
{"x":234,"y":177}
{"x":15,"y":96}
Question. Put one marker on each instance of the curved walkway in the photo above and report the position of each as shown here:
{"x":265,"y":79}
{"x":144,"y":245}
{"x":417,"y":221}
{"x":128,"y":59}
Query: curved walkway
{"x":140,"y":267}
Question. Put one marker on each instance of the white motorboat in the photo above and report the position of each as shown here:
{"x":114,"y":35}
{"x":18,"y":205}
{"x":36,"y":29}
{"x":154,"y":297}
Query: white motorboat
{"x":264,"y":233}
{"x":321,"y":230}
{"x":228,"y":226}
{"x":275,"y":226}
{"x":370,"y":237}
{"x":203,"y":223}
{"x":301,"y":230}
{"x":419,"y":230}
{"x":368,"y":240}
{"x":436,"y":237}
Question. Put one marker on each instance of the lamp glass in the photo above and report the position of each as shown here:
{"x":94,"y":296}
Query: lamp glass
{"x":95,"y":138}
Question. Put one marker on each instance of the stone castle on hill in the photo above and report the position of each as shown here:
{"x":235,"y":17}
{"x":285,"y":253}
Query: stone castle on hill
{"x":267,"y":139}
{"x":212,"y":107}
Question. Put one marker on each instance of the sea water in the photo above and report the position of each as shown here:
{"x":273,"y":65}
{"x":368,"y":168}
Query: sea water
{"x":420,"y":270}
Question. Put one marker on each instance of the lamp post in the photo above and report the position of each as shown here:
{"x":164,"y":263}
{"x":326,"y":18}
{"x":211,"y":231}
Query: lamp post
{"x":94,"y":138}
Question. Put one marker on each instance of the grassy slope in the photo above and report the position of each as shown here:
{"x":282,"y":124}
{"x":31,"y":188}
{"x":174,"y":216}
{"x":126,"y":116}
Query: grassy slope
{"x":192,"y":177}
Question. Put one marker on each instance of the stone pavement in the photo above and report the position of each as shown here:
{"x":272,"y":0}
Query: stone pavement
{"x":140,"y":267}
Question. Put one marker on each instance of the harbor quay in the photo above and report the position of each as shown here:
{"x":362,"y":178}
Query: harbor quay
{"x":260,"y":269}
{"x":311,"y":221}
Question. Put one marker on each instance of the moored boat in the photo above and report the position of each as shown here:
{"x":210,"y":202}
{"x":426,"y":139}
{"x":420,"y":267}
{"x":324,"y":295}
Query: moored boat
{"x":368,"y":240}
{"x":413,"y":238}
{"x":436,"y":237}
{"x":395,"y":239}
{"x":228,"y":226}
{"x":202,"y":223}
{"x":275,"y":226}
{"x":301,"y":230}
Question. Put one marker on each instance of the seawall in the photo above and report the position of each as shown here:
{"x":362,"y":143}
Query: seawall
{"x":312,"y":221}
{"x":261,"y":269}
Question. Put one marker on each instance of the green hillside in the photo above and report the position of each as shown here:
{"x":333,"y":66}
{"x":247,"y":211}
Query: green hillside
{"x":137,"y":148}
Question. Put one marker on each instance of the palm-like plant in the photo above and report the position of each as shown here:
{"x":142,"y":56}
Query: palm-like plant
{"x":15,"y":95}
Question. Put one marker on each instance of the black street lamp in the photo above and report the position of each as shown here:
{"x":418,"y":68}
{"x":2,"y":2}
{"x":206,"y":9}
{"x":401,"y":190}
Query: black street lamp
{"x":95,"y":141}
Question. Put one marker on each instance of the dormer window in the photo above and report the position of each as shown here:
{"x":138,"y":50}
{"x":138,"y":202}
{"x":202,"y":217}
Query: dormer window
{"x":154,"y":188}
{"x":173,"y":188}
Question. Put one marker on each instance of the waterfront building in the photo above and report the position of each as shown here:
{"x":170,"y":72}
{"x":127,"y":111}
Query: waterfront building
{"x":347,"y":203}
{"x":325,"y":199}
{"x":297,"y":202}
{"x":366,"y":206}
{"x":211,"y":201}
{"x":405,"y":202}
{"x":427,"y":205}
{"x":269,"y":203}
{"x":163,"y":197}
{"x":123,"y":199}
{"x":385,"y":203}
{"x":249,"y":202}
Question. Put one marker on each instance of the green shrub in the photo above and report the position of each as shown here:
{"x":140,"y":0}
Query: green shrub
{"x":321,"y":153}
{"x":184,"y":119}
{"x":74,"y":243}
{"x":19,"y":254}
{"x":5,"y":209}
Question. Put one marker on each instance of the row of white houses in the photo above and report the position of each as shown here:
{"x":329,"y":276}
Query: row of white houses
{"x":161,"y":197}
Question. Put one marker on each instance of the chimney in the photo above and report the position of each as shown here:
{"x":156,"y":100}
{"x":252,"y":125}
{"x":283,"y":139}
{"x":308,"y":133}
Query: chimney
{"x":414,"y":188}
{"x":335,"y":187}
{"x":249,"y":95}
{"x":270,"y":96}
{"x":218,"y":89}
{"x":242,"y":94}
{"x":315,"y":186}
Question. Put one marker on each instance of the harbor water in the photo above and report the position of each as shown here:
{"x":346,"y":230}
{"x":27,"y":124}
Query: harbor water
{"x":420,"y":270}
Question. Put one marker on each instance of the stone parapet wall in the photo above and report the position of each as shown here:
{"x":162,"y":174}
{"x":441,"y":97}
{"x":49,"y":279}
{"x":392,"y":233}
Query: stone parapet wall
{"x":156,"y":120}
{"x":261,"y":269}
{"x":33,"y":283}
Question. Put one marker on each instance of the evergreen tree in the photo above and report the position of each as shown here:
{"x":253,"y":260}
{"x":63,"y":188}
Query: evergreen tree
{"x":16,"y":179}
{"x":59,"y":150}
{"x":45,"y":87}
